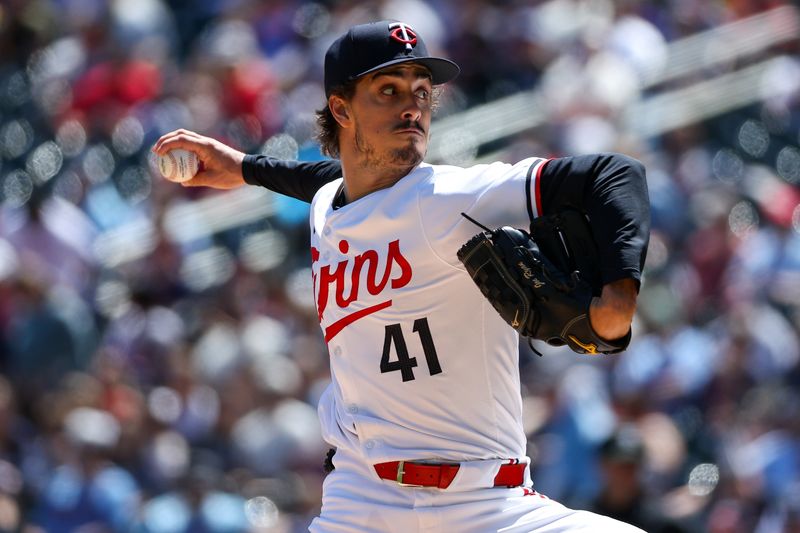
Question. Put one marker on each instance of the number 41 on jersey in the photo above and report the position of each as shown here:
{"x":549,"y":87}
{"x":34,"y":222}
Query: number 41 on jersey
{"x":404,"y":363}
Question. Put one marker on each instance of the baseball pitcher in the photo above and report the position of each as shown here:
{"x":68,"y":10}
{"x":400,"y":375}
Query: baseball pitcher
{"x":422,"y":310}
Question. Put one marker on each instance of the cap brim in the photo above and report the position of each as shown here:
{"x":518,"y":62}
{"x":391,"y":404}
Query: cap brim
{"x":442,"y":70}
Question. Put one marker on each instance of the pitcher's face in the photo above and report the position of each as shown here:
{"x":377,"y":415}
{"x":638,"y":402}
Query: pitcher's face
{"x":392,"y":115}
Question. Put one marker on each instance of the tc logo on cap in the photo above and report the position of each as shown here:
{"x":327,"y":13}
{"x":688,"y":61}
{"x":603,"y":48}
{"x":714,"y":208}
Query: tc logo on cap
{"x":403,"y":33}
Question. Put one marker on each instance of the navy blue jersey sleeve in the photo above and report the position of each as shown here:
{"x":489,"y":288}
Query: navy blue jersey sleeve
{"x":298,"y":179}
{"x":612,"y":190}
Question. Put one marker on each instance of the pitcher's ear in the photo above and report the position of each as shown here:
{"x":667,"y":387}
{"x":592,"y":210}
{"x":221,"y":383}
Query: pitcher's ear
{"x":340,"y":109}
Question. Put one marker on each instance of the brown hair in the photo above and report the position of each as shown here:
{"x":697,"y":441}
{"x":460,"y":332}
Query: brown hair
{"x":328,"y":128}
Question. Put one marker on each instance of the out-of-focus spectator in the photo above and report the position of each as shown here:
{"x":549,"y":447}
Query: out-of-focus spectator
{"x":624,"y":493}
{"x":197,"y":503}
{"x":87,"y":491}
{"x":40,"y":346}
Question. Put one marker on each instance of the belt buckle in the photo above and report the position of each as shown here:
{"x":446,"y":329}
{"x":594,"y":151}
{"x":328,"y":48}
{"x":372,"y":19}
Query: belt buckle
{"x":401,"y":473}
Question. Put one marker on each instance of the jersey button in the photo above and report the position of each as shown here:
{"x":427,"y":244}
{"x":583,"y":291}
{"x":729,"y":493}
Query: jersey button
{"x":326,"y":231}
{"x":369,"y":444}
{"x":337,"y":350}
{"x":352,"y":409}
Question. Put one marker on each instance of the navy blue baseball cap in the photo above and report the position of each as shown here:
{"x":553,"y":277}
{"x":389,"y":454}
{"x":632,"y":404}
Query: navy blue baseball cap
{"x":369,"y":47}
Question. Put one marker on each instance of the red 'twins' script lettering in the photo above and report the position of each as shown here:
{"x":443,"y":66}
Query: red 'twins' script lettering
{"x":369,"y":259}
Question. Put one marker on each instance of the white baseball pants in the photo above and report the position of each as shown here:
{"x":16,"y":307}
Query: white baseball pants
{"x":355,"y":499}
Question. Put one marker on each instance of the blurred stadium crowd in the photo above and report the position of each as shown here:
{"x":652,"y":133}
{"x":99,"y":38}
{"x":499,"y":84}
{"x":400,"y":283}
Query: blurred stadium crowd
{"x":160,"y":355}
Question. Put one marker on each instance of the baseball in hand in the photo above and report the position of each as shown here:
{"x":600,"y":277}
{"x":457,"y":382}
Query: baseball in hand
{"x":178,"y":165}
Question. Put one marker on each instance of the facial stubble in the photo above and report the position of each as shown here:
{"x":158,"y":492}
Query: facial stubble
{"x":406,"y":156}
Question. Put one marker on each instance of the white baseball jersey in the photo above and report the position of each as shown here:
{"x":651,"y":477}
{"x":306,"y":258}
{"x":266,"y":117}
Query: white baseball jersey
{"x":423,"y":367}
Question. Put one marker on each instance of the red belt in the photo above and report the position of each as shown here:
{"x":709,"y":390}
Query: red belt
{"x":441,"y":475}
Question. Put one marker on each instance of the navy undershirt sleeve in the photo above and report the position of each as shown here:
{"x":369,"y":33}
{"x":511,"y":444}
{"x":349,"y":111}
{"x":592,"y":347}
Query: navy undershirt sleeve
{"x":298,"y":179}
{"x":612,"y":190}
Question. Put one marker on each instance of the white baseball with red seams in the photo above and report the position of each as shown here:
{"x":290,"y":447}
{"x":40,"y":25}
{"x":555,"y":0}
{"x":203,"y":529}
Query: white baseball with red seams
{"x":423,"y":368}
{"x":178,"y":165}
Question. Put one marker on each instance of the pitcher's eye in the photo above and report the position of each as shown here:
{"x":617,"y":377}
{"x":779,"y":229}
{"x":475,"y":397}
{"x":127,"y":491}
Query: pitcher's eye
{"x":389,"y":90}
